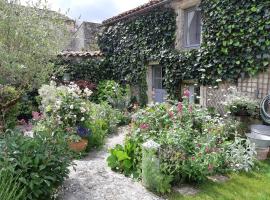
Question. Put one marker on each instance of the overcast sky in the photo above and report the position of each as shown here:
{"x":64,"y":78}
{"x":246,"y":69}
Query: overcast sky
{"x":93,"y":10}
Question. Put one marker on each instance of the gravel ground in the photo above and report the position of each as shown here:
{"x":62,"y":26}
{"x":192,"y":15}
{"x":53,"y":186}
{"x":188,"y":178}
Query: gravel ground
{"x":94,"y":180}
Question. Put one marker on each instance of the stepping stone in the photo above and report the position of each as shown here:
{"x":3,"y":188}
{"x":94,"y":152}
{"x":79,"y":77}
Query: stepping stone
{"x":260,"y":129}
{"x":186,"y":190}
{"x":218,"y":178}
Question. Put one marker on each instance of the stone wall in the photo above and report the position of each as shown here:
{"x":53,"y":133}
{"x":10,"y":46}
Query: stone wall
{"x":85,"y":39}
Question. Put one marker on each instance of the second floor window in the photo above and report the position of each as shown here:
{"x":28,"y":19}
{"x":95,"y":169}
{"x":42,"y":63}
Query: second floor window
{"x":192,"y":27}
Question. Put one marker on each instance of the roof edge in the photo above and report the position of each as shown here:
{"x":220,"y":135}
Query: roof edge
{"x":134,"y":12}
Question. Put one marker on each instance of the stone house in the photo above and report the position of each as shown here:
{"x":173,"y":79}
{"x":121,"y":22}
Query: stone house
{"x":188,"y":36}
{"x":85,"y":38}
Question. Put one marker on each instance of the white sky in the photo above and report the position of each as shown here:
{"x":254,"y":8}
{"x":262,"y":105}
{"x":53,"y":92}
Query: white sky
{"x":93,"y":10}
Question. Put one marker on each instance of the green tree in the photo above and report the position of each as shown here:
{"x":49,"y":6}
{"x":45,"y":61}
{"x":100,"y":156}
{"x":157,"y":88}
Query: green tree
{"x":30,"y":37}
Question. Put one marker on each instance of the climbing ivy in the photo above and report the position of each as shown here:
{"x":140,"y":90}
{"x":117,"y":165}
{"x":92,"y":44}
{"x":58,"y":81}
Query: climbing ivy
{"x":235,"y":40}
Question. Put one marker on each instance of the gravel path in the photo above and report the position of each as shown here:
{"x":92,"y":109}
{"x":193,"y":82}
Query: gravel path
{"x":94,"y":180}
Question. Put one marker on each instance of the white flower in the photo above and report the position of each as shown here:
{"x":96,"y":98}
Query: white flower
{"x":218,"y":80}
{"x":82,"y":119}
{"x":71,"y":107}
{"x":83,"y":110}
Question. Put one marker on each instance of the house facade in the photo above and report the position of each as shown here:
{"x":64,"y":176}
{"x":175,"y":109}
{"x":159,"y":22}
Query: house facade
{"x":188,"y":36}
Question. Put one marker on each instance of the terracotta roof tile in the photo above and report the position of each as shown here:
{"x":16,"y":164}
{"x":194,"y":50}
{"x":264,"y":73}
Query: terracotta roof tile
{"x":149,"y":5}
{"x":89,"y":54}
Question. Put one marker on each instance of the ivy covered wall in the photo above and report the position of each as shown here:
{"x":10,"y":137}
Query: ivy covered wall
{"x":236,"y":39}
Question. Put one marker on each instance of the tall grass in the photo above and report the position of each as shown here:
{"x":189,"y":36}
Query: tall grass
{"x":10,"y":188}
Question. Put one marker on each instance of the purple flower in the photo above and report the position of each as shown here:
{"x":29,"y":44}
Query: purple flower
{"x":82,"y":131}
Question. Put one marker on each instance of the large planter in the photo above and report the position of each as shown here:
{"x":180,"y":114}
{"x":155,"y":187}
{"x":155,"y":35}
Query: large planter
{"x":262,"y":153}
{"x":78,"y":146}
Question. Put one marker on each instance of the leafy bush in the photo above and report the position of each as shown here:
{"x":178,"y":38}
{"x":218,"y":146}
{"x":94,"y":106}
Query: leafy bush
{"x":10,"y":189}
{"x":193,"y":143}
{"x":99,"y":130}
{"x":41,"y":163}
{"x":153,"y":178}
{"x":125,"y":159}
{"x":238,"y":103}
{"x":114,"y":94}
{"x":9,"y":97}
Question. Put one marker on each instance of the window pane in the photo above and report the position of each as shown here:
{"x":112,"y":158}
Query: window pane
{"x":193,"y":27}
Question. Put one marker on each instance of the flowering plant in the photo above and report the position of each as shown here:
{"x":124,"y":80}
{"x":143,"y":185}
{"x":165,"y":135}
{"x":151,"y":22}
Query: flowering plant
{"x":193,"y":143}
{"x":67,"y":105}
{"x":239,"y":103}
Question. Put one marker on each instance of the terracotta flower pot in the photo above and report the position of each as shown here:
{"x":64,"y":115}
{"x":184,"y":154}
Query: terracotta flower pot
{"x":78,"y":146}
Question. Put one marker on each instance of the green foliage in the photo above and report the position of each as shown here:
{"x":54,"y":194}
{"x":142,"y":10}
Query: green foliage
{"x":90,"y":69}
{"x":231,"y":44}
{"x":41,"y":163}
{"x":235,"y":38}
{"x":114,"y":94}
{"x":9,"y":97}
{"x":153,"y":178}
{"x":124,"y":158}
{"x":29,"y":38}
{"x":238,"y":103}
{"x":241,"y":186}
{"x":99,"y":129}
{"x":193,"y":143}
{"x":10,"y":189}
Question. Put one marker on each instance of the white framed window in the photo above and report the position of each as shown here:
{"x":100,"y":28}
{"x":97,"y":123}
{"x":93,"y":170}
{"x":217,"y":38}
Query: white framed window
{"x":192,"y":27}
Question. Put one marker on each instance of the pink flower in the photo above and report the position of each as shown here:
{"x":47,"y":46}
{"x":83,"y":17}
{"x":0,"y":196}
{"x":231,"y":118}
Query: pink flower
{"x":144,"y":126}
{"x":186,"y":93}
{"x":171,"y":114}
{"x":180,"y":107}
{"x":22,"y":122}
{"x":193,"y":158}
{"x":207,"y":150}
{"x":190,"y":108}
{"x":36,"y":116}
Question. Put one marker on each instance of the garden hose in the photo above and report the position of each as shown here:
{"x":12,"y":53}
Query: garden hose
{"x":265,"y":116}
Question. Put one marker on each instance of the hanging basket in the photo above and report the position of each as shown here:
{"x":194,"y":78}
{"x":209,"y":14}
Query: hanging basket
{"x":78,"y":146}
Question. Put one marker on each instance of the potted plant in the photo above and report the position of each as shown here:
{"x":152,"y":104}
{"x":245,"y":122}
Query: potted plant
{"x":78,"y":139}
{"x":241,"y":105}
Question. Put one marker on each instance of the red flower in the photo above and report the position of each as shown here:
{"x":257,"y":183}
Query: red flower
{"x":193,"y":158}
{"x":180,"y":107}
{"x":207,"y":150}
{"x":171,"y":114}
{"x":144,"y":126}
{"x":190,"y":108}
{"x":187,"y":93}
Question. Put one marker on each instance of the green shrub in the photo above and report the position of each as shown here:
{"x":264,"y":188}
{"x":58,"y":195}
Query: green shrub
{"x":41,"y":163}
{"x":99,"y":130}
{"x":10,"y":188}
{"x":8,"y":106}
{"x":124,"y":159}
{"x":193,"y":143}
{"x":114,"y":94}
{"x":153,"y":178}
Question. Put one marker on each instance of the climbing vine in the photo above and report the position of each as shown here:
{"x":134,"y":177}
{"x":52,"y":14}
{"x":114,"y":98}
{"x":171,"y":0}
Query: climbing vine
{"x":236,"y":40}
